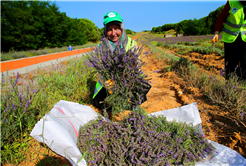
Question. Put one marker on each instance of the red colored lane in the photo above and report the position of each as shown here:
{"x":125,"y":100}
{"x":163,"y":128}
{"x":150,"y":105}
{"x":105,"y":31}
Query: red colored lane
{"x":19,"y":63}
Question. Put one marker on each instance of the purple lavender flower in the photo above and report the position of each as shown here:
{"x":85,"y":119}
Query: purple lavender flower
{"x":13,"y":105}
{"x":221,"y":73}
{"x":18,"y":76}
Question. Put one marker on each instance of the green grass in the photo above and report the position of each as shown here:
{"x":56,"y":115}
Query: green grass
{"x":154,"y":43}
{"x":23,"y":105}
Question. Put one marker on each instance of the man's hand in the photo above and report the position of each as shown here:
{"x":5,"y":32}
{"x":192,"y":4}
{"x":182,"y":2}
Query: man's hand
{"x":109,"y":85}
{"x":215,"y":38}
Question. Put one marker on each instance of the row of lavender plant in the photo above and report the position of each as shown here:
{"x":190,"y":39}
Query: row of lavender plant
{"x":187,"y":49}
{"x":140,"y":139}
{"x":202,"y":41}
{"x":230,"y":95}
{"x":23,"y":104}
{"x":174,"y":40}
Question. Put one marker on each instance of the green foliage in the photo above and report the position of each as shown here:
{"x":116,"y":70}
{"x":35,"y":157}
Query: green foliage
{"x":90,"y":30}
{"x":22,"y":105}
{"x":162,"y":28}
{"x":37,"y":24}
{"x":128,"y":31}
{"x":70,"y":82}
{"x":101,"y":31}
{"x":212,"y":18}
{"x":77,"y":34}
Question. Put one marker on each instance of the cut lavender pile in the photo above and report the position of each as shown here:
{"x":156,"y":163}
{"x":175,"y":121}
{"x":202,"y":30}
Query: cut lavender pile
{"x":124,"y":68}
{"x":140,"y":139}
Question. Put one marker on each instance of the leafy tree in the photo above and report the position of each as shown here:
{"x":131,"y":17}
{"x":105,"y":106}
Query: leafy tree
{"x":30,"y":25}
{"x":128,"y":31}
{"x":167,"y":27}
{"x":90,"y":30}
{"x":76,"y":34}
{"x":154,"y":30}
{"x":212,"y":18}
{"x":101,"y":31}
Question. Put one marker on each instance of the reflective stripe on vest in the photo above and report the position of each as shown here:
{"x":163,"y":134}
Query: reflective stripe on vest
{"x":230,"y":32}
{"x":243,"y":33}
{"x":98,"y":87}
{"x":232,"y":25}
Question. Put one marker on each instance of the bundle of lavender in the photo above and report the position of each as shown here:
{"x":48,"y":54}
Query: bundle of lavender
{"x":142,"y":140}
{"x":124,"y":69}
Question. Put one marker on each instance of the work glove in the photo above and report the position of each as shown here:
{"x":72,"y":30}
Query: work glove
{"x":216,"y":37}
{"x":109,"y":85}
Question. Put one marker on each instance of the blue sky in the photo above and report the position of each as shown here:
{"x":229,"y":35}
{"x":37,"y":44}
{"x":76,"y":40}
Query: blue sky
{"x":140,"y":15}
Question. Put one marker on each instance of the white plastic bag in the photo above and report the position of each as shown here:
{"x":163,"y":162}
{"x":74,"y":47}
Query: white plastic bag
{"x":59,"y":130}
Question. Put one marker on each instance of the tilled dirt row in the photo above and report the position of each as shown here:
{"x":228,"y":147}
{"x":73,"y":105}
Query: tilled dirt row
{"x":170,"y":91}
{"x":211,"y":62}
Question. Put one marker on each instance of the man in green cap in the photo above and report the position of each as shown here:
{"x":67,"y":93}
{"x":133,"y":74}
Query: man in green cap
{"x":114,"y":32}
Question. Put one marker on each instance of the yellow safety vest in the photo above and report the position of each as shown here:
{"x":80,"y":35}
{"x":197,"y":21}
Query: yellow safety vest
{"x":235,"y":23}
{"x":130,"y":44}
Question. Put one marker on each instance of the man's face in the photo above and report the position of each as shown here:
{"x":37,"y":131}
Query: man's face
{"x":114,"y":32}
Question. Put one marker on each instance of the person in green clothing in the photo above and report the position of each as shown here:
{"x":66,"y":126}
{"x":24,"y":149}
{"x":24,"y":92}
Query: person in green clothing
{"x":114,"y":33}
{"x":232,"y":23}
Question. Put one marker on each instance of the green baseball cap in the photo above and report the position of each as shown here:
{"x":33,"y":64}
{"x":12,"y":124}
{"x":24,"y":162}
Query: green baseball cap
{"x":112,"y":16}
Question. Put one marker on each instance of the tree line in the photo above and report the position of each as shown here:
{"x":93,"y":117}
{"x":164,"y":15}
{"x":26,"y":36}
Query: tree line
{"x":28,"y":25}
{"x":203,"y":26}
